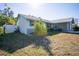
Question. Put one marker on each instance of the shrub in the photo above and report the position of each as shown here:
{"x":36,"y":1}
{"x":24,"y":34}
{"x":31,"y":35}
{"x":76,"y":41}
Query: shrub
{"x":11,"y":21}
{"x":1,"y":30}
{"x":40,"y":28}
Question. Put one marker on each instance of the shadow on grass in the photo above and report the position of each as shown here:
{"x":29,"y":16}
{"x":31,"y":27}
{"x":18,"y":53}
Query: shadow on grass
{"x":53,"y":32}
{"x":15,"y":41}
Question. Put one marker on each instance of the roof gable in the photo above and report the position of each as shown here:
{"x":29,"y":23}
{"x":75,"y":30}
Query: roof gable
{"x":27,"y":17}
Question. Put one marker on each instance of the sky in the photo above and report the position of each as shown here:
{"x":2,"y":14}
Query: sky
{"x":48,"y":11}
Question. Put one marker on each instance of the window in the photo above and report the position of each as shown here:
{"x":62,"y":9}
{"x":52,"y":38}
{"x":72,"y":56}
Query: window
{"x":31,"y":23}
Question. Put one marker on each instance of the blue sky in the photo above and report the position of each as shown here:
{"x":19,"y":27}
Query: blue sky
{"x":47,"y":11}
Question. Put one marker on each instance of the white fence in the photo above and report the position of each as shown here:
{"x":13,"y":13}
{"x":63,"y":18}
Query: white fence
{"x":10,"y":28}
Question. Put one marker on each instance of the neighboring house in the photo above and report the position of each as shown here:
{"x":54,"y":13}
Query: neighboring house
{"x":25,"y":23}
{"x":10,"y":28}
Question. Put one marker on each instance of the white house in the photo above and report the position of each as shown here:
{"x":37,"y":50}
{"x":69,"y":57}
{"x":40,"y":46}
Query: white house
{"x":25,"y":23}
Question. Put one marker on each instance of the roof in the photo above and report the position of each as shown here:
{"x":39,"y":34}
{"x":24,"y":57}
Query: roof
{"x":61,"y":20}
{"x":29,"y":17}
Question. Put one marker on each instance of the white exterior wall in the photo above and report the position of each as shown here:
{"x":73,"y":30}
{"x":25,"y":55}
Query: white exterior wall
{"x":23,"y":24}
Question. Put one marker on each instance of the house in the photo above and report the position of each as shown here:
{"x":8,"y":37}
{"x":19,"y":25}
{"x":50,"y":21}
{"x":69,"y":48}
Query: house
{"x":62,"y":24}
{"x":25,"y":23}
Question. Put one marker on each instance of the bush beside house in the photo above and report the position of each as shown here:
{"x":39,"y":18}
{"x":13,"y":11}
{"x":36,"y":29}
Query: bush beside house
{"x":40,"y":28}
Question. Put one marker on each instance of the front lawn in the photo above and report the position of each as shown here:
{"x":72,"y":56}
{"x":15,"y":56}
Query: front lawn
{"x":65,"y":44}
{"x":18,"y":44}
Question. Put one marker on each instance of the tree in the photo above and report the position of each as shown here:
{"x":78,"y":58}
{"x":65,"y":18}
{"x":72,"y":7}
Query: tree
{"x":40,"y":28}
{"x":7,"y":20}
{"x":2,"y":19}
{"x":11,"y":13}
{"x":7,"y":11}
{"x":11,"y":21}
{"x":6,"y":16}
